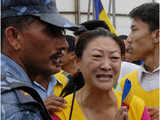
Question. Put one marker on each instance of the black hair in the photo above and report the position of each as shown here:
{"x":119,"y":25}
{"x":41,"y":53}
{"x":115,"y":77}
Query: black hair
{"x":91,"y":25}
{"x":71,"y":42}
{"x":123,"y":37}
{"x":77,"y":81}
{"x":148,"y":13}
{"x":19,"y":22}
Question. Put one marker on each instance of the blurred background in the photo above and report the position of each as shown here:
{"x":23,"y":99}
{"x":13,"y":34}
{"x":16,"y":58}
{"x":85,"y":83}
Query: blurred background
{"x":79,"y":11}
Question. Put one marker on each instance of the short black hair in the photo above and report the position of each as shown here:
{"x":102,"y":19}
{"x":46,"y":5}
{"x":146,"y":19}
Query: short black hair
{"x":71,"y":42}
{"x":148,"y":13}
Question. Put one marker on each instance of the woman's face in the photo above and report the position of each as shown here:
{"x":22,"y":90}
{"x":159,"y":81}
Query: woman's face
{"x":100,"y":63}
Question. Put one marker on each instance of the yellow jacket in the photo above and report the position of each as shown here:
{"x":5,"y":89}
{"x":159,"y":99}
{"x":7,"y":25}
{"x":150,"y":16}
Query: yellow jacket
{"x":151,"y":98}
{"x":62,"y":81}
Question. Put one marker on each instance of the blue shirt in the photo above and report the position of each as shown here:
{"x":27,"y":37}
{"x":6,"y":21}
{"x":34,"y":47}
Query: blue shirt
{"x":12,"y":72}
{"x":42,"y":91}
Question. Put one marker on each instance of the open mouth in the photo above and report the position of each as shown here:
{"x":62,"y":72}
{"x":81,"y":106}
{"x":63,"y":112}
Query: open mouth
{"x":104,"y":77}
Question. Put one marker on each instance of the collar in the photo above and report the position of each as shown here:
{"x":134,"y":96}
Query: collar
{"x":14,"y":69}
{"x":59,"y":82}
{"x":52,"y":83}
{"x":61,"y":73}
{"x":145,"y":71}
{"x":49,"y":90}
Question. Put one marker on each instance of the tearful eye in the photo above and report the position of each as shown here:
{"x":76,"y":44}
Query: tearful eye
{"x":115,"y":58}
{"x":97,"y":56}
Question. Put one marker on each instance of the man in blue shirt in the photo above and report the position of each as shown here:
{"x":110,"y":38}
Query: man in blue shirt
{"x":33,"y":41}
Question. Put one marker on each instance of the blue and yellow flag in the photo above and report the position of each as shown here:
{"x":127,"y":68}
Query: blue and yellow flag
{"x":126,"y":89}
{"x":102,"y":15}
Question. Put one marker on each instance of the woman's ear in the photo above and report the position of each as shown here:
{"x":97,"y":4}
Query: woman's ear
{"x":12,"y":35}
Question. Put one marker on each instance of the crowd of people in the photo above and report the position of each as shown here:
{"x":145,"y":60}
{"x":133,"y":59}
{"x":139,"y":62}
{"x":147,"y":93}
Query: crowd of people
{"x":93,"y":74}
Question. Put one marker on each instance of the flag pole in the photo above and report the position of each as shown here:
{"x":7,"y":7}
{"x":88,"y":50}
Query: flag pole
{"x":109,"y":8}
{"x":89,"y":7}
{"x":77,"y":12}
{"x":94,"y":15}
{"x":114,"y":13}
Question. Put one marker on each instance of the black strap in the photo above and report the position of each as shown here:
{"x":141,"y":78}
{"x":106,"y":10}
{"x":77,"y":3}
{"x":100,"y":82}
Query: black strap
{"x":70,"y":115}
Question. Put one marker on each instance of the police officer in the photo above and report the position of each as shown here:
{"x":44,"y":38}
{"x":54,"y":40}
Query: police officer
{"x":33,"y":41}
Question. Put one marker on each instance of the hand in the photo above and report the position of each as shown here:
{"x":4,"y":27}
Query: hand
{"x":154,"y":113}
{"x":54,"y":103}
{"x":121,"y":114}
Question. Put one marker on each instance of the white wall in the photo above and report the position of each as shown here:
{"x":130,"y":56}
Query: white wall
{"x":122,"y":7}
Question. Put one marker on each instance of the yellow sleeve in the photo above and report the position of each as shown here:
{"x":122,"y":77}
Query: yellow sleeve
{"x":64,"y":113}
{"x":63,"y":81}
{"x":136,"y":108}
{"x":61,"y":115}
{"x":61,"y":77}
